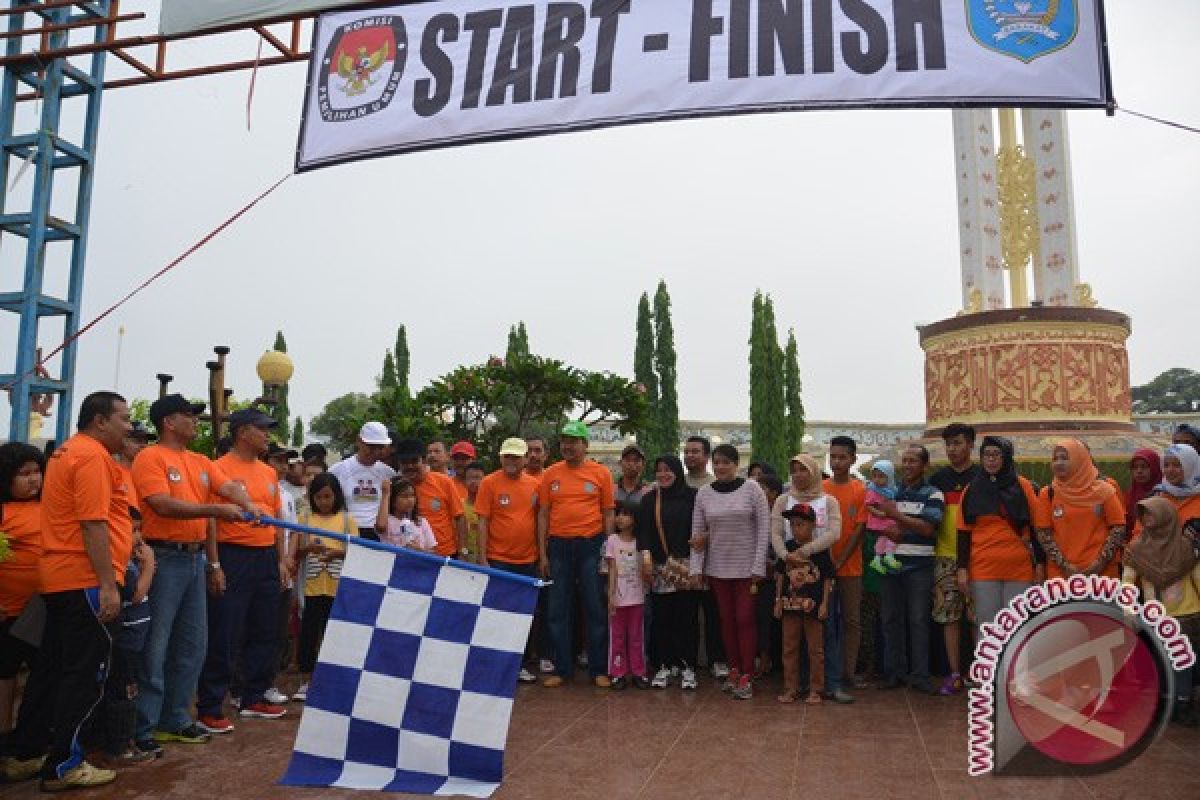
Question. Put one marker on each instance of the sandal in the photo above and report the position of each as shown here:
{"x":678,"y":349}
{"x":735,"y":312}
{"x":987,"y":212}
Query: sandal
{"x":788,"y":697}
{"x":814,"y":699}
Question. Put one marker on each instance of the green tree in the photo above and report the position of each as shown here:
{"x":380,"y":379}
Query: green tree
{"x":644,"y":375}
{"x":280,"y":412}
{"x":298,"y":433}
{"x":792,"y":389}
{"x":341,"y":418}
{"x":667,"y":407}
{"x":518,"y":342}
{"x":402,"y":361}
{"x":758,"y":372}
{"x":388,"y":379}
{"x":768,"y":434}
{"x":1176,"y":391}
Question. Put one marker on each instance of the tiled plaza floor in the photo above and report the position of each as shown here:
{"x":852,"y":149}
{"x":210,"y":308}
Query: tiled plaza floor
{"x":579,"y":742}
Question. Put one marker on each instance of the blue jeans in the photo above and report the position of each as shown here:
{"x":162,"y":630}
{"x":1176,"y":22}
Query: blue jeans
{"x":907,"y":599}
{"x":833,"y":644}
{"x":576,"y":562}
{"x":175,"y":643}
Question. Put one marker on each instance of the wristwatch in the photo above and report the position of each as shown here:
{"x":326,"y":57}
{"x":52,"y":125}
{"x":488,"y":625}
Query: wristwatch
{"x":464,"y":551}
{"x":212,"y":566}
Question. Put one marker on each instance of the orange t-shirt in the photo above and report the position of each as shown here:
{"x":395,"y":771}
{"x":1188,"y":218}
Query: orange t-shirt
{"x":1079,"y":531}
{"x":21,"y":524}
{"x":852,"y":499}
{"x":181,"y":475}
{"x":1188,"y":508}
{"x":83,"y":483}
{"x":998,"y":553}
{"x":461,"y":488}
{"x":127,"y":475}
{"x":262,"y":484}
{"x":510,"y":508}
{"x":439,"y":503}
{"x":576,"y":497}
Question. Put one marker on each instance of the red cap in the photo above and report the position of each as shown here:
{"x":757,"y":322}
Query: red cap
{"x":463,"y":449}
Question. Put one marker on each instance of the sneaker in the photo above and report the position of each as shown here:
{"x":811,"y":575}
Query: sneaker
{"x":149,"y":746}
{"x":263,"y":710}
{"x":841,"y":696}
{"x":192,"y":734}
{"x":235,"y":701}
{"x":301,"y":694}
{"x":688,"y":681}
{"x":215,"y":725}
{"x":617,"y":683}
{"x":640,"y":682}
{"x":602,"y":682}
{"x":132,"y":757}
{"x":525,"y":676}
{"x":83,"y":776}
{"x":951,"y":685}
{"x":662,"y":679}
{"x":720,"y":670}
{"x":546,"y":666}
{"x":275,"y":697}
{"x":877,"y":565}
{"x":860,"y":682}
{"x":744,"y":689}
{"x":552,"y":681}
{"x":731,"y":681}
{"x":20,"y":769}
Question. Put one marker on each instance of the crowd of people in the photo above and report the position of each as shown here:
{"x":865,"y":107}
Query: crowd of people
{"x":150,"y":605}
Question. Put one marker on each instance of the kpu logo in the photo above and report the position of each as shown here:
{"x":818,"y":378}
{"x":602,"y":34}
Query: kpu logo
{"x":1074,"y":674}
{"x":362,"y":68}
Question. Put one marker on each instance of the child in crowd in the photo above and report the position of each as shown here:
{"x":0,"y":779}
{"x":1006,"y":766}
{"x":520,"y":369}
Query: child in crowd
{"x":882,"y":487}
{"x":626,"y":603}
{"x":472,"y":477}
{"x":321,"y":558}
{"x":802,"y":605}
{"x":398,"y":523}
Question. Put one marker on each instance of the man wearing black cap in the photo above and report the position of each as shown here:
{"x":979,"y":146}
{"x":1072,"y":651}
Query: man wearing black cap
{"x":253,"y":561}
{"x":1187,"y":434}
{"x":179,"y":492}
{"x":437,"y":499}
{"x":631,"y":487}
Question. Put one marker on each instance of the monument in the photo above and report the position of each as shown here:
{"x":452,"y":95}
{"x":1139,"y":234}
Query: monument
{"x":1031,"y":360}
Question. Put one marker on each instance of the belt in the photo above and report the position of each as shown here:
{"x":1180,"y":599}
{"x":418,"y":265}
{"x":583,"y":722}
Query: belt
{"x":181,"y":547}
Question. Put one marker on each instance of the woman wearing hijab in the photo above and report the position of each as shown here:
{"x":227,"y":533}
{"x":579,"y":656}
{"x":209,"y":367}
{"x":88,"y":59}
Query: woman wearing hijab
{"x":1164,"y":565}
{"x":997,"y":559}
{"x":1079,"y":518}
{"x":1181,"y":482}
{"x":664,"y":528}
{"x":1145,"y":472}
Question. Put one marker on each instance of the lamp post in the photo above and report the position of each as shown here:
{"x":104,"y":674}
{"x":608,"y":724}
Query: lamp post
{"x":274,"y":369}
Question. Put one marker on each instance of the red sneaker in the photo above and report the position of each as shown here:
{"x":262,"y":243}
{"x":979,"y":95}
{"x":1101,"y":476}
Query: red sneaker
{"x":215,"y":724}
{"x":263,"y":710}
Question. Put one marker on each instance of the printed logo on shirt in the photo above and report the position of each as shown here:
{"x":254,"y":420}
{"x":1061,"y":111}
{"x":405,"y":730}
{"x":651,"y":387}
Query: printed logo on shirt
{"x":173,"y":475}
{"x":204,"y":479}
{"x":1059,"y":511}
{"x":273,"y":489}
{"x":1099,"y":509}
{"x":554,"y":486}
{"x":435,"y":505}
{"x":504,"y":499}
{"x":589,"y":487}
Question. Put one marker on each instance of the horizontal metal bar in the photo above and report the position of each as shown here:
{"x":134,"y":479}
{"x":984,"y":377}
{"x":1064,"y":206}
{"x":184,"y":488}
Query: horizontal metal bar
{"x":47,"y":306}
{"x":79,"y":76}
{"x":37,"y":385}
{"x":33,"y":8}
{"x":86,"y":22}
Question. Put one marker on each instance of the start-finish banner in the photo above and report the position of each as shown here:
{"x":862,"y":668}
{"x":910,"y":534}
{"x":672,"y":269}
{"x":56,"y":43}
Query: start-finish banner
{"x":402,"y":78}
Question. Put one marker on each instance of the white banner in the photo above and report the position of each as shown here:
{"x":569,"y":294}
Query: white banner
{"x":402,"y":78}
{"x":185,"y":16}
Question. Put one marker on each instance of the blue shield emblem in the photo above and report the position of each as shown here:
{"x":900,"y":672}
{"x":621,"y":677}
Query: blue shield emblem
{"x":1024,"y":29}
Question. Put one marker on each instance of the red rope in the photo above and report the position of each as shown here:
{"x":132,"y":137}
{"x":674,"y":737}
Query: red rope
{"x":178,"y":260}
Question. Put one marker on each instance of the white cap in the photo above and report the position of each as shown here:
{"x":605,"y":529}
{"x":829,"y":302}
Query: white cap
{"x":374,"y":433}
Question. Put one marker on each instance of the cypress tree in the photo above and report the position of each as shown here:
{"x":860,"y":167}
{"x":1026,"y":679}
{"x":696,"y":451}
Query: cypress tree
{"x":518,"y":342}
{"x":298,"y":433}
{"x":667,"y":409}
{"x":776,"y":449}
{"x":643,"y":373}
{"x":402,"y":361}
{"x":280,"y":412}
{"x":388,"y":379}
{"x":792,"y":388}
{"x":758,"y":368}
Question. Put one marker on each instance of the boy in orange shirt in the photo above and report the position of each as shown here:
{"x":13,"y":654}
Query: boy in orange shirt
{"x":843,"y":631}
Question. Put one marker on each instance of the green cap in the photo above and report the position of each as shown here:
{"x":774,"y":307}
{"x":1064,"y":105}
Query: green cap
{"x":575,"y":428}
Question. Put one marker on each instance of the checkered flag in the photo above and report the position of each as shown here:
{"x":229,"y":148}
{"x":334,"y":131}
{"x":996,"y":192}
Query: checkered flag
{"x":414,"y":686}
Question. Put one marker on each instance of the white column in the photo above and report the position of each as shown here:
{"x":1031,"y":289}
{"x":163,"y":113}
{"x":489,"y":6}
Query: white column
{"x":1056,"y":270}
{"x":978,"y":207}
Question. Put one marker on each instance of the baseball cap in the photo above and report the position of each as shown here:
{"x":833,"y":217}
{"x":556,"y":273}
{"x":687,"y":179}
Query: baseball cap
{"x":274,"y":449}
{"x":514,"y":447}
{"x":463,"y":449}
{"x":575,"y":428}
{"x":250,"y":416}
{"x":140,"y":431}
{"x":408,"y":449}
{"x":170,"y":404}
{"x":633,"y":449}
{"x":314,"y":450}
{"x":801,"y":511}
{"x":374,"y":433}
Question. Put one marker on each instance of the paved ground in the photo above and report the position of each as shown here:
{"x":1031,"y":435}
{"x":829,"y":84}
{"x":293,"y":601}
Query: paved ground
{"x":580,"y":742}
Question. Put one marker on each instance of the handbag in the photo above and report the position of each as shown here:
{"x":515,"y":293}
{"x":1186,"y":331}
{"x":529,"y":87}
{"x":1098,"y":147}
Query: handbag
{"x":675,"y":574}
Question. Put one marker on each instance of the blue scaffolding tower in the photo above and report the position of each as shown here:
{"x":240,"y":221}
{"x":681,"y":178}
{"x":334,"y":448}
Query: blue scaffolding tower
{"x":57,"y":168}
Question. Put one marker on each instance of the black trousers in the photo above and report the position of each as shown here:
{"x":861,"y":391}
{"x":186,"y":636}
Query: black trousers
{"x":312,"y":628}
{"x":675,"y":628}
{"x":532,"y":643}
{"x":714,"y":645}
{"x":114,"y":722}
{"x":66,"y":683}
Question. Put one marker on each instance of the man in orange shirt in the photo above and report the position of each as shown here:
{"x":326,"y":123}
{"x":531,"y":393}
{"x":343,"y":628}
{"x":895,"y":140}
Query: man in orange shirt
{"x":179,"y":491}
{"x":507,"y":508}
{"x":437,"y":499}
{"x":575,"y":518}
{"x":253,"y":561}
{"x":462,"y":454}
{"x":87,"y":537}
{"x":842,"y":639}
{"x":535,"y":459}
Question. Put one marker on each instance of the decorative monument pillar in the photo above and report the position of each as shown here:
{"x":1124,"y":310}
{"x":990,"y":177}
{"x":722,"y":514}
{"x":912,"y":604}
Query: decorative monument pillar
{"x":1029,"y":354}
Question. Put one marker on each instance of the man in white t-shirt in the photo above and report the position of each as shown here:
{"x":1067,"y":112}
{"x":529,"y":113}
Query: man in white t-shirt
{"x":362,"y":476}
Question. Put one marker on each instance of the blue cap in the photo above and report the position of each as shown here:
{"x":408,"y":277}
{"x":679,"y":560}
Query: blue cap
{"x":251,"y":416}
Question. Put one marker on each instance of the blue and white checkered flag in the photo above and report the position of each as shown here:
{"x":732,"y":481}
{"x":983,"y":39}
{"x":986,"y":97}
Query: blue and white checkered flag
{"x":414,"y":687}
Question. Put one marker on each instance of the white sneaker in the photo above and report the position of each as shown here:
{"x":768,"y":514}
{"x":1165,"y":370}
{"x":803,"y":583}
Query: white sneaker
{"x":525,"y":676}
{"x":275,"y":697}
{"x":662,"y":679}
{"x":720,"y":670}
{"x":301,"y":694}
{"x":688,"y":681}
{"x":547,"y":666}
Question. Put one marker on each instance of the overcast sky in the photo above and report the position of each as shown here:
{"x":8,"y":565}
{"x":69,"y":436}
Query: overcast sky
{"x":847,"y":219}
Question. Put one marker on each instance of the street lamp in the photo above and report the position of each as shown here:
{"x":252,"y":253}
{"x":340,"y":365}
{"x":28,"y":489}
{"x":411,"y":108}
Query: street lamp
{"x":274,"y":369}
